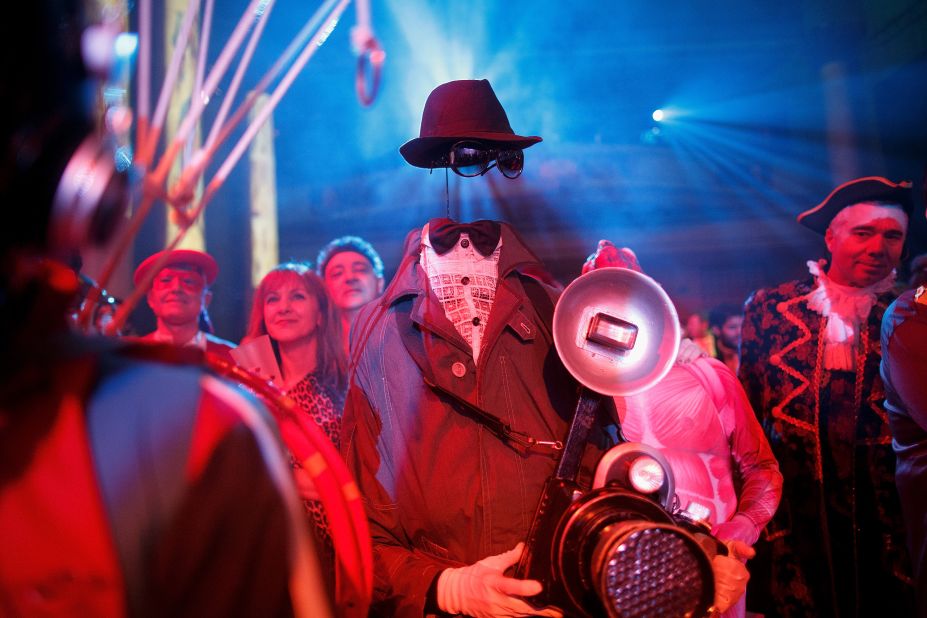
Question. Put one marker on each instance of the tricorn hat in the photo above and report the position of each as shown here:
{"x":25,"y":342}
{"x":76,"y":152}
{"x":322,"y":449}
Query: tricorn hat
{"x":868,"y":189}
{"x":187,"y":257}
{"x":461,"y":110}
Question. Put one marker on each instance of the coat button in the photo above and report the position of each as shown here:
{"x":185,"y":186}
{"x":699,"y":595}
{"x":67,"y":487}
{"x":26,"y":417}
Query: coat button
{"x":465,"y":280}
{"x":459,"y":369}
{"x":476,"y":321}
{"x":464,"y":243}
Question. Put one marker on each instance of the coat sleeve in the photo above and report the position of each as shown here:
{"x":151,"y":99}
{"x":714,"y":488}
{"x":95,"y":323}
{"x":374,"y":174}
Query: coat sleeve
{"x":402,"y":574}
{"x":904,"y":359}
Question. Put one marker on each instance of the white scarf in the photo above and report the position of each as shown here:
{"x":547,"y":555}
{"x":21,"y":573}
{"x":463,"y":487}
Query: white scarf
{"x":847,"y":310}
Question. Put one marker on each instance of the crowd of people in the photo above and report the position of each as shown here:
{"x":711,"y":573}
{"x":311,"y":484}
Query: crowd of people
{"x":797,"y":422}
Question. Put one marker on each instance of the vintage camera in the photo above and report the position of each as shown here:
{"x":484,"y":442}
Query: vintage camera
{"x":617,"y":549}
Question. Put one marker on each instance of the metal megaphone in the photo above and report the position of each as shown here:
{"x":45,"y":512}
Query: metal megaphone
{"x":616,"y":331}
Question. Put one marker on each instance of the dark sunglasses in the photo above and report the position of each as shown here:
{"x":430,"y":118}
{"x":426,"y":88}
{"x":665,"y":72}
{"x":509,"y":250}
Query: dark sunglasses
{"x":469,"y":159}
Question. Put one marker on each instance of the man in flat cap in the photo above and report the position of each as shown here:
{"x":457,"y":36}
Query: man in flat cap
{"x":810,"y":365}
{"x":179,"y":296}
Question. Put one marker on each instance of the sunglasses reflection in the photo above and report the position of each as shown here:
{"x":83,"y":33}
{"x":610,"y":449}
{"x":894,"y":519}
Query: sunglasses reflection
{"x":469,"y":159}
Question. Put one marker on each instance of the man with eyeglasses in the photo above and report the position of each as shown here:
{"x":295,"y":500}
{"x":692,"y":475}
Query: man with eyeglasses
{"x":458,"y":346}
{"x":178,"y":296}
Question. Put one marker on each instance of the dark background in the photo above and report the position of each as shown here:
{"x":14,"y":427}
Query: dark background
{"x":771,"y":105}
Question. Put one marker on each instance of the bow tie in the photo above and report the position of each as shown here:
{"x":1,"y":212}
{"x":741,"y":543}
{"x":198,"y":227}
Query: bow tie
{"x":444,"y":234}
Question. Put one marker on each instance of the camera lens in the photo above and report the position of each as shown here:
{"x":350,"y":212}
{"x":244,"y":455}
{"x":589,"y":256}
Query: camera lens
{"x":620,"y":554}
{"x":647,"y":569}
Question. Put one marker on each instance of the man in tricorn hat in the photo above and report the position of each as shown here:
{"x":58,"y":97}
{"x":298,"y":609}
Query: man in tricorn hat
{"x":464,"y":326}
{"x":179,"y":295}
{"x":810,"y":365}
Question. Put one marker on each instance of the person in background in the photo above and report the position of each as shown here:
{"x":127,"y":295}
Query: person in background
{"x":699,"y":417}
{"x":132,"y":483}
{"x":292,"y":308}
{"x":918,"y":275}
{"x":697,"y":330}
{"x":904,"y":369}
{"x":725,"y":322}
{"x":178,"y":296}
{"x":353,"y":275}
{"x":810,"y":364}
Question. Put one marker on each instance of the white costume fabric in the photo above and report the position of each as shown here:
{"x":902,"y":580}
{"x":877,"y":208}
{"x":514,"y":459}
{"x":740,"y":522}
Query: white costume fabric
{"x":845,"y":307}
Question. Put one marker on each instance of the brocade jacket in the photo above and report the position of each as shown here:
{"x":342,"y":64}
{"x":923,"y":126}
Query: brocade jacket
{"x":836,"y":544}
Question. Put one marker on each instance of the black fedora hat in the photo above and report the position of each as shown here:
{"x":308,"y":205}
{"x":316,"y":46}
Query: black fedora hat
{"x":461,"y":110}
{"x":858,"y":191}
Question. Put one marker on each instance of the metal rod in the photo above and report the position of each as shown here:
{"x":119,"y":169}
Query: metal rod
{"x":229,"y":97}
{"x":149,"y":142}
{"x":205,"y":29}
{"x":298,"y":43}
{"x":143,"y":104}
{"x":317,"y":40}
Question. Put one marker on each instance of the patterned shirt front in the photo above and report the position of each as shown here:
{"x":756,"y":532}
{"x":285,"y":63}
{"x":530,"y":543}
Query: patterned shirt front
{"x":464,"y":281}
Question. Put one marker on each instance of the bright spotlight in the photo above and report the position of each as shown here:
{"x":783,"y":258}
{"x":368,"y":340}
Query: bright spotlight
{"x":657,"y":115}
{"x":126,"y":44}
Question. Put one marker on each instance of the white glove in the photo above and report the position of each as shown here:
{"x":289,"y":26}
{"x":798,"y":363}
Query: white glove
{"x":731,"y":575}
{"x":689,"y":351}
{"x":481,"y":590}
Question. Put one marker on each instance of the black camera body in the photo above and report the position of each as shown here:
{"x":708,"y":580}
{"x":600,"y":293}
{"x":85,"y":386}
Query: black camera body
{"x":617,"y":551}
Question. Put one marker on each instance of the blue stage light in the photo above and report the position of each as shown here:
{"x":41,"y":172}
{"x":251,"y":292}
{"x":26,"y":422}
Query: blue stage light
{"x":657,"y":115}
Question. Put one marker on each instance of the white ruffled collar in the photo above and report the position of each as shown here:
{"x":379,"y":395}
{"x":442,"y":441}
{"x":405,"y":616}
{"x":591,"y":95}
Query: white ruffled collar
{"x":846,"y":309}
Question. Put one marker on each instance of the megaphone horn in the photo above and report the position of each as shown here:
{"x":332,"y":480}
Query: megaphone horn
{"x":616,"y":331}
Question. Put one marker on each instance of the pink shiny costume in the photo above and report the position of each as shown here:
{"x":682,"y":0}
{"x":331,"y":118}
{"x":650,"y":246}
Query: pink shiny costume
{"x":699,"y":418}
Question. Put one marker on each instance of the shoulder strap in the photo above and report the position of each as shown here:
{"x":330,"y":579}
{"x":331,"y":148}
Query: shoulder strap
{"x":415,"y":346}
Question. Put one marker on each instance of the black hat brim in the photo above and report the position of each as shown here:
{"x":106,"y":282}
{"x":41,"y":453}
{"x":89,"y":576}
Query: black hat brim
{"x":858,"y":191}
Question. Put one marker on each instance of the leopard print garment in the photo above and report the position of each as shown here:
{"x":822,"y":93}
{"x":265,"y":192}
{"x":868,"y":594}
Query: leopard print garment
{"x":324,"y":404}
